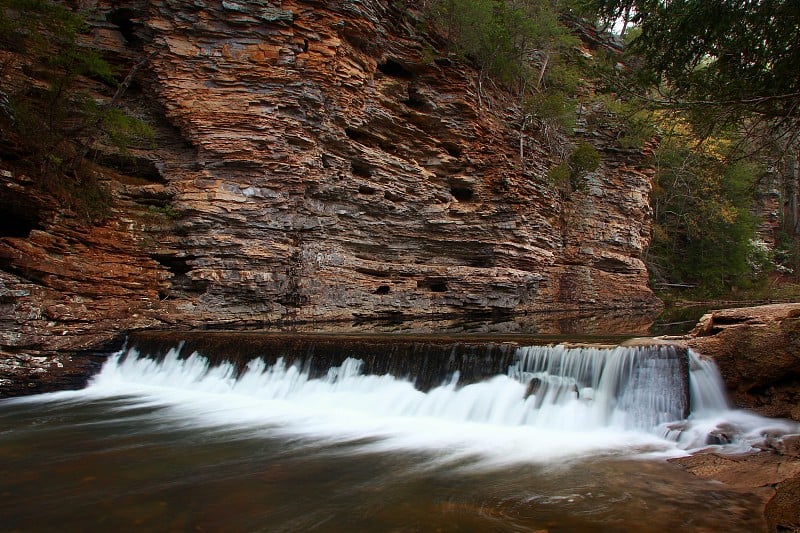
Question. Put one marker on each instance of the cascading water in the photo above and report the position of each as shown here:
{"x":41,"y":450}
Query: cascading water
{"x":553,"y":401}
{"x":623,"y":387}
{"x":323,"y":433}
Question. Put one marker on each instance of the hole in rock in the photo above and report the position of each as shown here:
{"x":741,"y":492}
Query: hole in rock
{"x":137,"y":167}
{"x":179,"y":266}
{"x":17,"y":225}
{"x":383,"y":289}
{"x":461,"y":193}
{"x":356,"y":135}
{"x":452,"y":149}
{"x":433,"y":284}
{"x":392,"y":68}
{"x":361,"y":169}
{"x":416,"y":100}
{"x":18,"y":217}
{"x":122,"y":18}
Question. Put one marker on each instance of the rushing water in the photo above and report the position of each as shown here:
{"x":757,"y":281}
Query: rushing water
{"x":568,"y":439}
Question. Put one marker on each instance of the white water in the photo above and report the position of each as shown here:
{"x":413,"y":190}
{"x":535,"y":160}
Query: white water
{"x":588,"y":402}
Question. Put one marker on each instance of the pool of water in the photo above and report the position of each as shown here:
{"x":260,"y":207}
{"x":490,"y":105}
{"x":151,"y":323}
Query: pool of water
{"x":164,"y":458}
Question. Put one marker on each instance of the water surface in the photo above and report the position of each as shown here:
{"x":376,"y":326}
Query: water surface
{"x":178,"y":444}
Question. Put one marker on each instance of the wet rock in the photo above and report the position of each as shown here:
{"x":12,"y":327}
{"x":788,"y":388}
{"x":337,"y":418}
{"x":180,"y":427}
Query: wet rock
{"x":757,"y":350}
{"x":723,"y":434}
{"x":533,"y":387}
{"x":783,"y":510}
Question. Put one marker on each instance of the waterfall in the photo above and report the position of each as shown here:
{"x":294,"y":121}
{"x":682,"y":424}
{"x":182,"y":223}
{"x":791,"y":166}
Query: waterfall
{"x":550,"y":401}
{"x":626,"y":387}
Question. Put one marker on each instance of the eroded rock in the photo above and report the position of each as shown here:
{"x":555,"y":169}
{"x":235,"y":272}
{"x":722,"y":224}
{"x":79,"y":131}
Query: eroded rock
{"x":312,"y":164}
{"x":757,"y":350}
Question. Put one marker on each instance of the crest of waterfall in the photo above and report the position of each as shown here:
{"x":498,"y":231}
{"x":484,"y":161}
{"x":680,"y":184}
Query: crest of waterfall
{"x":566,"y":399}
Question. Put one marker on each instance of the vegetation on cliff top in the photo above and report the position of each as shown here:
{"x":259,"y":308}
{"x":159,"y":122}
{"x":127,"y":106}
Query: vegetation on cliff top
{"x":51,"y":122}
{"x":721,"y":80}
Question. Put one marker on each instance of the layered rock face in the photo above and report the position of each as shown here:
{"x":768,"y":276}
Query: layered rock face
{"x":317,"y":161}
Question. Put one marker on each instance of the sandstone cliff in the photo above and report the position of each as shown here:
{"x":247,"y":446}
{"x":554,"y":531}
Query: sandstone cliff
{"x":314,"y":161}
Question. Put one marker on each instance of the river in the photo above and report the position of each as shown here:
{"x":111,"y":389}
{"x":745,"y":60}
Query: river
{"x":566,"y":439}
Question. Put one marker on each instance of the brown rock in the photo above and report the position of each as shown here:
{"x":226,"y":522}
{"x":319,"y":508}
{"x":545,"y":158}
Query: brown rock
{"x":783,"y":510}
{"x":773,"y":474}
{"x":757,"y":350}
{"x":312,"y":165}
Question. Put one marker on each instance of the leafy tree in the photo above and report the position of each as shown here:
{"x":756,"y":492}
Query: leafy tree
{"x":703,"y":234}
{"x":743,"y":55}
{"x":728,"y":69}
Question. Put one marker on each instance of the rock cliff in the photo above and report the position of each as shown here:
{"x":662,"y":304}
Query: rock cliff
{"x":314,"y":161}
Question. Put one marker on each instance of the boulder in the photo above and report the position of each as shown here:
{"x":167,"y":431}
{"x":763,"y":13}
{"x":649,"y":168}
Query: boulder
{"x":757,"y":350}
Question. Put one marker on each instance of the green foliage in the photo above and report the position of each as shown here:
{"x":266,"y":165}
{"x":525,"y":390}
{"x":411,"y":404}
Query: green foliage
{"x":703,"y":233}
{"x":730,"y":59}
{"x":554,"y":107}
{"x":55,"y":123}
{"x":513,"y":41}
{"x":570,"y":174}
{"x":120,"y":129}
{"x":584,"y":159}
{"x":561,"y":177}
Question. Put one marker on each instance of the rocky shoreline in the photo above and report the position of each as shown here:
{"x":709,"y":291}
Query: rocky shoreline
{"x":757,"y":350}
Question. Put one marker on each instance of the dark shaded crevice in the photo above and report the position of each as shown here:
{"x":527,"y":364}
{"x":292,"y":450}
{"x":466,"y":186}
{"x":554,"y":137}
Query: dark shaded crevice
{"x":461,"y":193}
{"x":19,"y":215}
{"x":614,"y":266}
{"x":452,"y":149}
{"x":180,"y":267}
{"x":433,"y":284}
{"x":416,"y":100}
{"x":122,"y":18}
{"x":383,"y":289}
{"x":138,"y":167}
{"x":395,"y":69}
{"x":373,"y":273}
{"x":361,"y":169}
{"x":17,"y":225}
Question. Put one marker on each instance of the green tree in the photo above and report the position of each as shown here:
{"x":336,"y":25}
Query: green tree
{"x":53,"y":123}
{"x":703,"y":231}
{"x":729,"y":69}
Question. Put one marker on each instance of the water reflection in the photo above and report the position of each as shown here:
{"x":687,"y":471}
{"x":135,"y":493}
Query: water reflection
{"x":575,"y":322}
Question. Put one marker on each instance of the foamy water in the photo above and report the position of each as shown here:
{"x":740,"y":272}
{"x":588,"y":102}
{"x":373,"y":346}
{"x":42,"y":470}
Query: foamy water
{"x":583,"y":407}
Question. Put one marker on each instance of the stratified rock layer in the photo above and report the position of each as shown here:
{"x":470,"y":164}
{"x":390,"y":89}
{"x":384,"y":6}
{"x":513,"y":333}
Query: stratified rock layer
{"x":315,"y":162}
